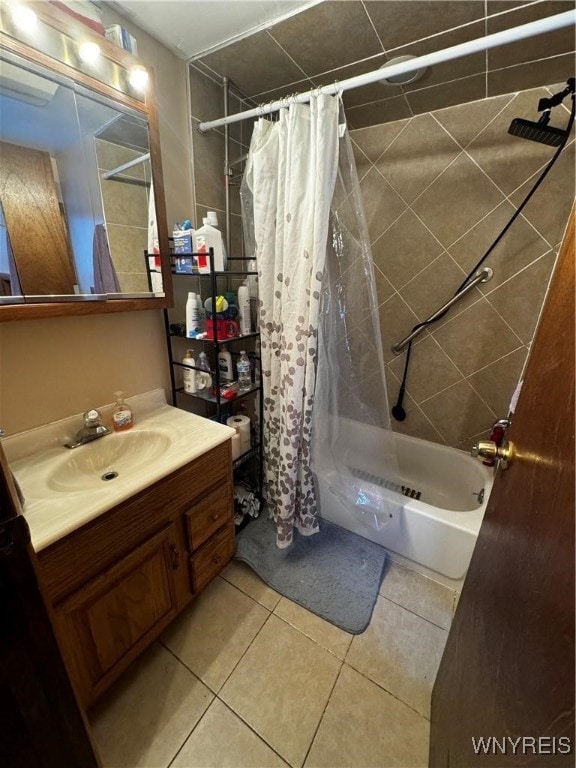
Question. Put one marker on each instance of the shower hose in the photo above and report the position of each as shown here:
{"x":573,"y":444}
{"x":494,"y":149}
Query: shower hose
{"x":398,"y":411}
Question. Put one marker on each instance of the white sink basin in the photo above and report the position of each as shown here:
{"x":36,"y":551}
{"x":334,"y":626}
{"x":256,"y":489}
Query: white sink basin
{"x":107,"y":459}
{"x":64,"y":489}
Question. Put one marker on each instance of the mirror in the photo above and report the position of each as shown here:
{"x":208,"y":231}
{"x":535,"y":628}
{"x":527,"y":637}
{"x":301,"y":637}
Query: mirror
{"x":81,"y":195}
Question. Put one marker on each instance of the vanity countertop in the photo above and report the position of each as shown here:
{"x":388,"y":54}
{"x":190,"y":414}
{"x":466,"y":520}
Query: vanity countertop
{"x":54,"y":506}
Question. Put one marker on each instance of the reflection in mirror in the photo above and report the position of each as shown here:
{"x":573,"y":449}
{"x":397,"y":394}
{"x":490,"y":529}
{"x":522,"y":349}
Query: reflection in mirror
{"x":75,"y":189}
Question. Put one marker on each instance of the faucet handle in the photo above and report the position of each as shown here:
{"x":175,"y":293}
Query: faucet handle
{"x":92,"y":418}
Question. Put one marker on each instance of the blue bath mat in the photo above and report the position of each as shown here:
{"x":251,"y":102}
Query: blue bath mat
{"x":334,"y":574}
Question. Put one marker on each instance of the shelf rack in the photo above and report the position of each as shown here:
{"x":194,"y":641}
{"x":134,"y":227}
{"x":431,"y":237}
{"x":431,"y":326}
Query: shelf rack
{"x":215,"y":401}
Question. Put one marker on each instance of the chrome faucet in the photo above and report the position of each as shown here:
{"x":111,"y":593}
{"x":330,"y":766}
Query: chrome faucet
{"x":92,"y":429}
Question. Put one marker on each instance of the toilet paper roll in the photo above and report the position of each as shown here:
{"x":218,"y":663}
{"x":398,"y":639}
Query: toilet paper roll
{"x":242,"y":426}
{"x":236,"y":446}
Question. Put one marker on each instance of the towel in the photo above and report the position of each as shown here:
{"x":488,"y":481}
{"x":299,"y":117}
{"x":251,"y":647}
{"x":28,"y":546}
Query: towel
{"x":105,"y":278}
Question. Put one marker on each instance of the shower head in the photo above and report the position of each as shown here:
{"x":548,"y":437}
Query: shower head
{"x":539,"y":130}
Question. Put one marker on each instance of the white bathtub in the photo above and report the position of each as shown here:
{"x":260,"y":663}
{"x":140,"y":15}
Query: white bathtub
{"x":437,"y":533}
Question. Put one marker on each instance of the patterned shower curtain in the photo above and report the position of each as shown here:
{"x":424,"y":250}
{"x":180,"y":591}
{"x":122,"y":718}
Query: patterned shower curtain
{"x":286,"y":195}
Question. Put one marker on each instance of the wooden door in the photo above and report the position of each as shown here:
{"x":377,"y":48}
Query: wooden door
{"x":36,"y":228}
{"x":107,"y":622}
{"x":41,"y":724}
{"x":507,"y":674}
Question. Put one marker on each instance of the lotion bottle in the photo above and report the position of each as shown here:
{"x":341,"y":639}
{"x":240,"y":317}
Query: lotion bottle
{"x":122,"y":416}
{"x":225,"y":364}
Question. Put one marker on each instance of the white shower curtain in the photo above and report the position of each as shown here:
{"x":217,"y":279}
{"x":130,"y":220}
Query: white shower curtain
{"x":290,"y":175}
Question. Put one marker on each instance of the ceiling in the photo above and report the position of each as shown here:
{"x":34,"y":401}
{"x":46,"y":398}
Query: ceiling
{"x":192,"y":27}
{"x":270,"y":49}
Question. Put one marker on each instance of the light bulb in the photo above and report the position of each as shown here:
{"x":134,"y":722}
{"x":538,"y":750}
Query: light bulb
{"x":89,"y":52}
{"x":24,"y":18}
{"x":138,"y":78}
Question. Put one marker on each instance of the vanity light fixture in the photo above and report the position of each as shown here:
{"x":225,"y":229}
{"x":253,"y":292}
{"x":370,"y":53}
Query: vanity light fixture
{"x":89,"y":52}
{"x":138,"y":78}
{"x":24,"y":18}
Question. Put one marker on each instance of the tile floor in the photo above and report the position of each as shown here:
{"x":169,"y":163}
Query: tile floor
{"x":247,"y":679}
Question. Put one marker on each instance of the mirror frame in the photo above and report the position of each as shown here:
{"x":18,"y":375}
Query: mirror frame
{"x":51,"y":16}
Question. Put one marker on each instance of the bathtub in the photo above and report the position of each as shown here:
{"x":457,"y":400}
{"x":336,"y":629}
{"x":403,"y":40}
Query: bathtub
{"x":434,"y":534}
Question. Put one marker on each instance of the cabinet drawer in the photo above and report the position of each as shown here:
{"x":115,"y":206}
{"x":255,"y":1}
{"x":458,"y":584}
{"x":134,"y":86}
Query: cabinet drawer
{"x":209,"y":514}
{"x":211,"y":559}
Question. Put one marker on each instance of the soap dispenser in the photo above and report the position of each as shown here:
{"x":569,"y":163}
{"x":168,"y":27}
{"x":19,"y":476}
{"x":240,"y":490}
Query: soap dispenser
{"x":122,"y":418}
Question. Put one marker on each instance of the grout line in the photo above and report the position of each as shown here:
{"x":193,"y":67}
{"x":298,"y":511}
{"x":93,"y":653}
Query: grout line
{"x":252,"y":728}
{"x":498,"y":360}
{"x":301,"y":631}
{"x":373,"y":26}
{"x":323,"y":713}
{"x":293,"y":60}
{"x":414,"y":613}
{"x":181,"y":747}
{"x":383,"y":688}
{"x":519,"y":272}
{"x":435,"y":35}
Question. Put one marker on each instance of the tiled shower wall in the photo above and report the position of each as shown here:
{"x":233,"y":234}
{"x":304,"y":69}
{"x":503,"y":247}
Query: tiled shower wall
{"x":437,"y":190}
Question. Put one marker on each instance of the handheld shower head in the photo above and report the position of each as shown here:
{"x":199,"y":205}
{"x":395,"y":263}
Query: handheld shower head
{"x":539,"y":130}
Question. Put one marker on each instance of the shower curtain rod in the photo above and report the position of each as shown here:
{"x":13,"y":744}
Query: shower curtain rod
{"x":512,"y":35}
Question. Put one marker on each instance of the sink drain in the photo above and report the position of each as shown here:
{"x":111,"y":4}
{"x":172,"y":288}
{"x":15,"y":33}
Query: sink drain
{"x":110,"y":475}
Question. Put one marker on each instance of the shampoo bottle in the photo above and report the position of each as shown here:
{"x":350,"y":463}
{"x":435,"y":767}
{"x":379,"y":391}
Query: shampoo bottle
{"x":122,"y":416}
{"x":192,"y":318}
{"x":189,"y":374}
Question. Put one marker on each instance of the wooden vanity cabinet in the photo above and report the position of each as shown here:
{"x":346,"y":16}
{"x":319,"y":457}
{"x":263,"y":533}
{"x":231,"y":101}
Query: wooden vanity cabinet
{"x":118,"y":581}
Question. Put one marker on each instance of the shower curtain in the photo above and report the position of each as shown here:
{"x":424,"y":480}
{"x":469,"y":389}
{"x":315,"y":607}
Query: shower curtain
{"x":288,"y":190}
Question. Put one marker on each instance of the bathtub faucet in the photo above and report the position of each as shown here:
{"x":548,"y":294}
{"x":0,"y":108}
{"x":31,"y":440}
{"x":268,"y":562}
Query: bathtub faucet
{"x":92,"y":429}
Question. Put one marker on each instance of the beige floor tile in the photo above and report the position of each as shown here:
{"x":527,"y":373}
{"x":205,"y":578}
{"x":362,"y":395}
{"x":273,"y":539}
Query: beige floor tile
{"x":222,"y":740}
{"x":243,"y":577}
{"x":401,"y":652}
{"x":322,"y":632}
{"x":365,"y":727}
{"x":417,"y":593}
{"x":281,"y":687}
{"x":213,"y":633}
{"x":147,"y":716}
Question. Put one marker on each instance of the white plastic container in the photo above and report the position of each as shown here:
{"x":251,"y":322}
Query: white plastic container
{"x":189,"y":374}
{"x":244,"y":309}
{"x":225,"y":365}
{"x":192,"y":317}
{"x":205,"y":238}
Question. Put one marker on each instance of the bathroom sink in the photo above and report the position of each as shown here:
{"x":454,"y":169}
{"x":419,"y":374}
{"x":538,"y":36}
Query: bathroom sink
{"x":106,"y":460}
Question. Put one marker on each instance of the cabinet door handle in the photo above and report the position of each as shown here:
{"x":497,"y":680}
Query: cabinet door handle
{"x":217,"y":559}
{"x":215,"y":516}
{"x":175,"y":556}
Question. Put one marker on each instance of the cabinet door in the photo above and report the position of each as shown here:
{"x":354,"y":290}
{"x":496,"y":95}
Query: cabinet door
{"x":108,"y":621}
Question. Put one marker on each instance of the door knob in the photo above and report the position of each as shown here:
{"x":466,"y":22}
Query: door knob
{"x":488,"y":449}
